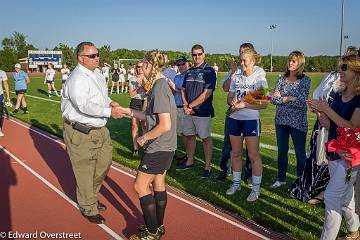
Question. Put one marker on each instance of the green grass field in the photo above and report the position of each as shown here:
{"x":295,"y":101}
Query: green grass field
{"x":274,"y":209}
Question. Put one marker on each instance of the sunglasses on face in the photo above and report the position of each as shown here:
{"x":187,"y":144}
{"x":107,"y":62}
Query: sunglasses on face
{"x":92,"y":56}
{"x":343,"y":67}
{"x":180,"y":64}
{"x":197,"y":54}
{"x":138,"y":66}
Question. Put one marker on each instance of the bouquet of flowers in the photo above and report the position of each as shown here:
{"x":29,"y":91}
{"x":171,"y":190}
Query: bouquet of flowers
{"x":260,"y":96}
{"x":8,"y":104}
{"x":347,"y":141}
{"x":147,"y":85}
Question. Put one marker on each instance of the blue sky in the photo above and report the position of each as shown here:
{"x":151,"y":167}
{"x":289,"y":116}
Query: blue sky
{"x":312,"y":26}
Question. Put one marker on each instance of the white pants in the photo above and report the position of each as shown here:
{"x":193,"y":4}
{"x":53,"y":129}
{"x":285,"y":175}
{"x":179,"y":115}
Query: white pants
{"x":339,"y":201}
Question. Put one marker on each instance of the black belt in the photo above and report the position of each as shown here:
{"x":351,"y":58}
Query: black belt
{"x":179,"y":106}
{"x":80,"y":126}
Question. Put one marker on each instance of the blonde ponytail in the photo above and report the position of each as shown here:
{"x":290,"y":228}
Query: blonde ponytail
{"x":158,"y":61}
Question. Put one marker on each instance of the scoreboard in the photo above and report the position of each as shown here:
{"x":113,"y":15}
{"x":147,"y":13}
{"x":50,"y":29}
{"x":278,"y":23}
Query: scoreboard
{"x":41,"y":58}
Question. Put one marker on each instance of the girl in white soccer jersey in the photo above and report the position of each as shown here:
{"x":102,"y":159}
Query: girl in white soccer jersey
{"x":49,"y":79}
{"x":131,"y":73}
{"x":244,"y":122}
{"x":122,"y":78}
{"x":65,"y":72}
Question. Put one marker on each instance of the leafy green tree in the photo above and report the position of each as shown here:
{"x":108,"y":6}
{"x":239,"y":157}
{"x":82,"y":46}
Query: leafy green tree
{"x":8,"y":58}
{"x":17,"y":42}
{"x":8,"y":42}
{"x":105,"y":54}
{"x":68,"y":54}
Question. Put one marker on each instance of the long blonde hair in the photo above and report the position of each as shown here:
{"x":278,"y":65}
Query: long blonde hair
{"x":353,"y":62}
{"x":158,"y":61}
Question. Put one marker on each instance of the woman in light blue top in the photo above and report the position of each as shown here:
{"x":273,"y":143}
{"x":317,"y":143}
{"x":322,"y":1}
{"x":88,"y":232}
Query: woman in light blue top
{"x":21,"y":80}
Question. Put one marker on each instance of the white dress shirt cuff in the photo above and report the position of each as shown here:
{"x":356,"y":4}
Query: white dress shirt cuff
{"x":107,"y":112}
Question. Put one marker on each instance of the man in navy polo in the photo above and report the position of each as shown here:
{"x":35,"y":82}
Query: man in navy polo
{"x":197,"y":94}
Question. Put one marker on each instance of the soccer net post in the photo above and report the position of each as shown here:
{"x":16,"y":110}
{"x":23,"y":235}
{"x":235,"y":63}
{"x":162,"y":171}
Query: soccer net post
{"x":123,"y":60}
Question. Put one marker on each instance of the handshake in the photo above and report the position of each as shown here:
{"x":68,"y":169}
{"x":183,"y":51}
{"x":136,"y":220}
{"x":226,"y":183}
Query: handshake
{"x":118,"y":111}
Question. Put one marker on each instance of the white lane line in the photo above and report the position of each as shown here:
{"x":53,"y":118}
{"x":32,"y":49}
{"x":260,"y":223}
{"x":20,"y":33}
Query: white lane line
{"x":215,"y":135}
{"x":203,"y":209}
{"x":171,"y":194}
{"x":52,"y":187}
{"x":40,"y":98}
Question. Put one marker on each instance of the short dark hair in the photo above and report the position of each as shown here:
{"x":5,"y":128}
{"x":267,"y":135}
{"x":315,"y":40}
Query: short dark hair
{"x":197,"y":46}
{"x":81,"y":47}
{"x":247,"y":45}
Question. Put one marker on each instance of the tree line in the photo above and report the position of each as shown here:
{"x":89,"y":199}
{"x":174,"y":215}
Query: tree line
{"x":15,"y":47}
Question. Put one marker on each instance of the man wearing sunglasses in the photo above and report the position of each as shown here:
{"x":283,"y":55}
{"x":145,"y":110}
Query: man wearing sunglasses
{"x":86,"y":107}
{"x":197,"y":94}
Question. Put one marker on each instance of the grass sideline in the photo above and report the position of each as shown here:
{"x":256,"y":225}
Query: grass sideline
{"x":274,"y":209}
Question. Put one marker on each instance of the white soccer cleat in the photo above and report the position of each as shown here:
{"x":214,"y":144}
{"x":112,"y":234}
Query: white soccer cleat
{"x":277,"y":184}
{"x":253,"y":196}
{"x":233,"y":189}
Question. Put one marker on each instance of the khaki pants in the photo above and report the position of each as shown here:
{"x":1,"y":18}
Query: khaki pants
{"x":90,"y":156}
{"x":339,"y":201}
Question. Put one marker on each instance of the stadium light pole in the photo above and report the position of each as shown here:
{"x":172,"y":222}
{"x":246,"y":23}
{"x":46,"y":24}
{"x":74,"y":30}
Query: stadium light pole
{"x":272,"y":27}
{"x":346,"y":37}
{"x":341,"y":26}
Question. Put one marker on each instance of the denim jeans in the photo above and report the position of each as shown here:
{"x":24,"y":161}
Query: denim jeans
{"x":299,"y":139}
{"x":226,"y":150}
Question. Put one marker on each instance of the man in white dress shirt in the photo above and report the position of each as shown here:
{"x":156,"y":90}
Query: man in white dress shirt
{"x":86,"y":107}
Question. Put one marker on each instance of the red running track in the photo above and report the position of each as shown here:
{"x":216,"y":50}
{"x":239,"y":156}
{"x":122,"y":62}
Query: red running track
{"x":37,"y":196}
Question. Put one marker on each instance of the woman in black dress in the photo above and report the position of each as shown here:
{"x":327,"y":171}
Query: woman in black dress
{"x":310,"y":186}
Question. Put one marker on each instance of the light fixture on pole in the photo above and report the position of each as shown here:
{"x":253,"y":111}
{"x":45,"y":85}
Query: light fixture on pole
{"x":341,"y":26}
{"x":272,"y":27}
{"x":346,"y":37}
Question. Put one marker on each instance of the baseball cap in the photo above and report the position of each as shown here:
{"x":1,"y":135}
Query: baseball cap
{"x":181,"y":59}
{"x":17,"y":65}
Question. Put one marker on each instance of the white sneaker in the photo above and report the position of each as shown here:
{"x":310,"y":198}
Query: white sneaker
{"x":253,"y":196}
{"x":277,"y":184}
{"x":233,"y":189}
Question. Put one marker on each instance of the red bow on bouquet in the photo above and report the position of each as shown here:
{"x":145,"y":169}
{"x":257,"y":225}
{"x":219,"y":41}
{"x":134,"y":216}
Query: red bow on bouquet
{"x":348,"y":141}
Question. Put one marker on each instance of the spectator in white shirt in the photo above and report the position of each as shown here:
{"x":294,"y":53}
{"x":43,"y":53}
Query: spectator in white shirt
{"x":105,"y":71}
{"x":86,"y":107}
{"x":49,"y":79}
{"x":216,"y":68}
{"x":3,"y":81}
{"x":122,"y":78}
{"x":65,"y":72}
